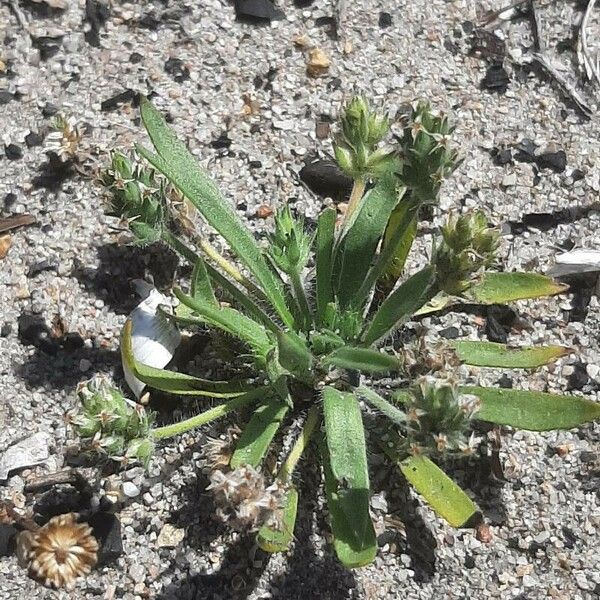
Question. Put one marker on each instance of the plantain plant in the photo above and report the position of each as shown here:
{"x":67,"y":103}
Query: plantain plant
{"x":312,"y":312}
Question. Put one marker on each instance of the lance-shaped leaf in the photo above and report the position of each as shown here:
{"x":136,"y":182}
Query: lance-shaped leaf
{"x":356,"y":249}
{"x":536,"y":411}
{"x":382,"y":405}
{"x":201,"y":289}
{"x":258,"y":433}
{"x":499,"y":288}
{"x":347,"y":479}
{"x":178,"y":165}
{"x":400,"y":305}
{"x":171,"y":381}
{"x":491,"y":354}
{"x":294,"y":355}
{"x":444,"y":496}
{"x":403,"y":244}
{"x":278,"y":537}
{"x":230,"y":320}
{"x":361,"y":359}
{"x":324,"y":260}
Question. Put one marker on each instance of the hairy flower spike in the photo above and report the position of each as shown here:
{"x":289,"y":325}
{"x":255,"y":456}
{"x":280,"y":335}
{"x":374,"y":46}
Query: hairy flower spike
{"x":356,"y":148}
{"x":290,"y":244}
{"x":468,"y":246}
{"x":112,"y":424}
{"x":61,"y":551}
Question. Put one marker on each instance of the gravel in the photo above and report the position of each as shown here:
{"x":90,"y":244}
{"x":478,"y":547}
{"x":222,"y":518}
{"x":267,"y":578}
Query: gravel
{"x":240,"y":94}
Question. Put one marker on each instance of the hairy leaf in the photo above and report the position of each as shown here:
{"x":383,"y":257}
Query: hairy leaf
{"x":490,"y":354}
{"x":404,"y":243}
{"x":401,"y":304}
{"x":499,"y":288}
{"x":324,"y":260}
{"x":258,"y":433}
{"x":356,"y":249}
{"x":381,"y":404}
{"x":536,"y":411}
{"x":362,"y":359}
{"x":347,"y":479}
{"x":179,"y":166}
{"x":294,"y":355}
{"x":277,"y":538}
{"x":201,"y":286}
{"x":446,"y":498}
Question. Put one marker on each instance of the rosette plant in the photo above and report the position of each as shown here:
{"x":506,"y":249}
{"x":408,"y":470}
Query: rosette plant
{"x":312,"y":312}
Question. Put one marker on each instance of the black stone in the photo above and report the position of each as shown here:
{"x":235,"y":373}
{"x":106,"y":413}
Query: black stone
{"x":496,"y":79}
{"x":385,"y":20}
{"x":72,"y":341}
{"x":541,"y":221}
{"x":588,"y":457}
{"x":47,"y":45}
{"x":450,"y":333}
{"x":8,"y":535}
{"x":5,"y":97}
{"x":525,"y":151}
{"x":487,"y":45}
{"x":6,"y":330}
{"x":578,"y":378}
{"x":9,"y":199}
{"x":469,"y":562}
{"x":135,"y":58}
{"x":325,"y":178}
{"x":578,"y":175}
{"x":255,"y":164}
{"x":117,"y":100}
{"x":505,"y":382}
{"x":222,"y":142}
{"x":96,"y":14}
{"x":106,"y":528}
{"x":40,"y":267}
{"x":33,"y":139}
{"x":302,"y":3}
{"x":256,"y":11}
{"x":503,"y":157}
{"x":49,"y":110}
{"x":13,"y":152}
{"x":32,"y":330}
{"x":557,"y":161}
{"x":177,"y":69}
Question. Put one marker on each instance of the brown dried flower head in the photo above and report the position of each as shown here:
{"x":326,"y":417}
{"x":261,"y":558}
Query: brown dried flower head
{"x":62,"y":550}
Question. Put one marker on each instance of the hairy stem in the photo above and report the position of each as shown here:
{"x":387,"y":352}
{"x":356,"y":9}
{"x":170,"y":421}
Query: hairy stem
{"x":312,"y":420}
{"x":358,"y":189}
{"x":207,"y":416}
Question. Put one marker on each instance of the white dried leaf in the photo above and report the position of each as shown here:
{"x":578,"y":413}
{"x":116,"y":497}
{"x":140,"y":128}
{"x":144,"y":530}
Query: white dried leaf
{"x":61,"y":4}
{"x":576,"y":262}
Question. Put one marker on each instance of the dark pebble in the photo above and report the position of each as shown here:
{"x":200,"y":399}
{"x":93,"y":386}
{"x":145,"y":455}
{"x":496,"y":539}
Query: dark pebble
{"x":40,"y":267}
{"x":32,"y":330}
{"x":13,"y":152}
{"x":49,"y":110}
{"x":450,"y":333}
{"x":117,"y":100}
{"x":325,"y":178}
{"x":579,"y":378}
{"x":255,"y":164}
{"x":588,"y":457}
{"x":72,"y":341}
{"x":222,"y":142}
{"x":505,"y":382}
{"x":96,"y":14}
{"x":496,"y":79}
{"x":578,"y":175}
{"x":176,"y":68}
{"x":6,"y":330}
{"x":256,"y":11}
{"x":135,"y":58}
{"x":9,"y":200}
{"x":503,"y":157}
{"x":525,"y":151}
{"x":106,"y":528}
{"x":33,"y":139}
{"x":469,"y":562}
{"x":8,"y":535}
{"x":48,"y":46}
{"x":5,"y":97}
{"x":385,"y":20}
{"x":557,"y":161}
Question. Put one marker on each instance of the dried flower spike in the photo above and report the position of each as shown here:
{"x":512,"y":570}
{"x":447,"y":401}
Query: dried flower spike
{"x":61,"y":551}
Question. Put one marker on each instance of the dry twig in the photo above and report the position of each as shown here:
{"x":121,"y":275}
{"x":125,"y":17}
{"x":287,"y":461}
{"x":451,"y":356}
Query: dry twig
{"x":591,"y":66}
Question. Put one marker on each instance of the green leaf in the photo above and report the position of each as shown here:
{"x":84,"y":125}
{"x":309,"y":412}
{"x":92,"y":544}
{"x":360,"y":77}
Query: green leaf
{"x":294,"y":355}
{"x":232,"y":321}
{"x":347,"y":479}
{"x":258,"y":433}
{"x":401,"y":304}
{"x":381,"y":404}
{"x":179,"y":166}
{"x":404,"y":243}
{"x":386,"y":256}
{"x":324,"y":260}
{"x":173,"y":382}
{"x":201,"y":286}
{"x":446,"y":498}
{"x":278,"y":539}
{"x":356,"y":249}
{"x":499,"y":288}
{"x":490,"y":354}
{"x":361,"y":359}
{"x":536,"y":411}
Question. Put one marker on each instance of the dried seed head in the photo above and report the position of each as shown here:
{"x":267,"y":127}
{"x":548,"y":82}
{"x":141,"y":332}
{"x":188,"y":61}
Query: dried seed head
{"x":218,"y":451}
{"x":61,"y":551}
